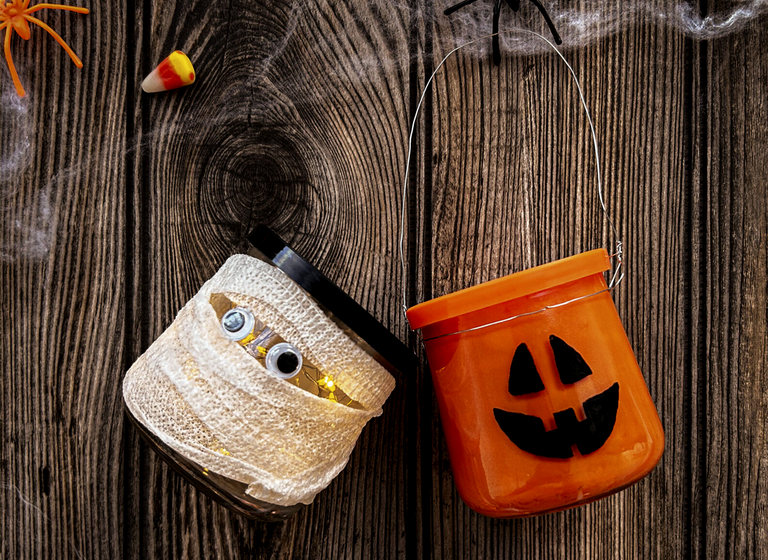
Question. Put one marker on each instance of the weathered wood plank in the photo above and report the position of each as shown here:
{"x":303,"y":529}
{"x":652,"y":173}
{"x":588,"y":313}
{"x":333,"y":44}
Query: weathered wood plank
{"x":514,"y":187}
{"x":299,"y":120}
{"x":735,"y":290}
{"x":62,"y":231}
{"x":296,"y":121}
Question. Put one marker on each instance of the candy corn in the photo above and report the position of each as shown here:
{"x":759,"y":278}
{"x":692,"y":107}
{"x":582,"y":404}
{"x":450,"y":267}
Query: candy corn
{"x":174,"y":72}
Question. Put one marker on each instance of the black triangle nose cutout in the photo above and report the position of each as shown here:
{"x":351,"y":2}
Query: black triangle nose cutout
{"x":524,"y":378}
{"x":570,"y":365}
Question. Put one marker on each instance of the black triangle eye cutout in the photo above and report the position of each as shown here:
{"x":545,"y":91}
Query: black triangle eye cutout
{"x":570,"y":365}
{"x":524,"y":378}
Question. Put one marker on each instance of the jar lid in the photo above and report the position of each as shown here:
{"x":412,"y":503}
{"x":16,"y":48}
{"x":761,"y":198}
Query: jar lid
{"x":388,"y":349}
{"x":507,"y":288}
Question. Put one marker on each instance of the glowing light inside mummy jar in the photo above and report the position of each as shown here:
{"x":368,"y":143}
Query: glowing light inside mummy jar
{"x":258,"y":390}
{"x":278,"y":356}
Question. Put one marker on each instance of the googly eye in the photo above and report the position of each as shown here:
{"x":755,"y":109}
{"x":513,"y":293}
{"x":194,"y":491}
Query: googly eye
{"x":284,"y":360}
{"x":237,"y":323}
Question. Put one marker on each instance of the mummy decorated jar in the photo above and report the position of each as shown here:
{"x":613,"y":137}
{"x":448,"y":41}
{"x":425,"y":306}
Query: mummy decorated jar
{"x":258,"y":390}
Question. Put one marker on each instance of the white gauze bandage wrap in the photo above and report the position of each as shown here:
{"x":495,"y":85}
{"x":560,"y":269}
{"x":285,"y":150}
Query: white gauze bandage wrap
{"x":206,"y":398}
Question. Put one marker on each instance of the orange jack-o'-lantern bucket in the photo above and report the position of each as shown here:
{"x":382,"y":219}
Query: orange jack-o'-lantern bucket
{"x":548,"y":410}
{"x":541,"y":399}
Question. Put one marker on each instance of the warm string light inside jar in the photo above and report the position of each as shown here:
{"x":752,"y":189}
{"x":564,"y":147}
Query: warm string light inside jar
{"x":279,"y":357}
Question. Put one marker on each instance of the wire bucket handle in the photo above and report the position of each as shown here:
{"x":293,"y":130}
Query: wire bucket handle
{"x":617,"y":274}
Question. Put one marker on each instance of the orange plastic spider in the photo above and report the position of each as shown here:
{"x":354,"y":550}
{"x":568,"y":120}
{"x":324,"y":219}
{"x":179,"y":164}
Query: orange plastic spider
{"x":14,"y":15}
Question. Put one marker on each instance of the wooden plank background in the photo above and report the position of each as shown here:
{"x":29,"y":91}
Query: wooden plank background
{"x":115,"y":207}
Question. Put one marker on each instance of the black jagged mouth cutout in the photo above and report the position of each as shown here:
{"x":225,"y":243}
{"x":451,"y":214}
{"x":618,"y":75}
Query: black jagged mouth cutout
{"x":589,"y":435}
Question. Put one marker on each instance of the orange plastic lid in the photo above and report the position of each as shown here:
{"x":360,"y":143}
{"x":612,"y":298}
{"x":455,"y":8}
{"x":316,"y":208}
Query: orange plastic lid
{"x":509,"y":287}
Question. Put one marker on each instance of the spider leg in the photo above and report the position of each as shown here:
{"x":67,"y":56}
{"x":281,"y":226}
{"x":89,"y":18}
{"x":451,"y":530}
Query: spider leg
{"x":514,"y":4}
{"x":59,"y":40}
{"x":551,"y":25}
{"x":38,"y":7}
{"x":11,"y":67}
{"x":455,"y":7}
{"x":496,"y":49}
